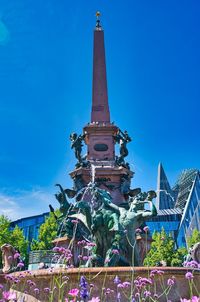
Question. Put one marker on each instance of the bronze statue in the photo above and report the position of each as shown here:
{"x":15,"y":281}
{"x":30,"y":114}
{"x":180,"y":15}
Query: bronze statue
{"x":65,"y":222}
{"x":122,"y":138}
{"x":76,"y":144}
{"x":113,"y":227}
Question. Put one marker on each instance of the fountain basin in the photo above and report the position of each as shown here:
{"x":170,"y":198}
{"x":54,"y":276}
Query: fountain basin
{"x":103,"y":278}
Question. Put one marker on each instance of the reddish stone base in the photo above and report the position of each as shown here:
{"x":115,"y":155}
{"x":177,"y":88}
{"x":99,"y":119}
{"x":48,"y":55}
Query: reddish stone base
{"x":103,"y":278}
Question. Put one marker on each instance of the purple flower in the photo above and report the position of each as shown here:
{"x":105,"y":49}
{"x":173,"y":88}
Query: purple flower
{"x":146,"y":280}
{"x":120,"y":285}
{"x":189,"y":276}
{"x":146,"y":229}
{"x":116,"y":280}
{"x":126,"y":284}
{"x":108,"y":291}
{"x":16,"y":255}
{"x":85,"y":258}
{"x":170,"y":282}
{"x":20,"y":264}
{"x":138,"y":230}
{"x":118,"y":297}
{"x":160,"y":272}
{"x":147,"y":293}
{"x":36,"y":290}
{"x":56,"y":249}
{"x":73,"y":292}
{"x":47,"y":290}
{"x":16,"y":280}
{"x":192,"y":264}
{"x":1,"y":286}
{"x":84,"y":294}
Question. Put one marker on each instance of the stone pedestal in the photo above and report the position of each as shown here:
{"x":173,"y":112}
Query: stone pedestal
{"x":107,"y":176}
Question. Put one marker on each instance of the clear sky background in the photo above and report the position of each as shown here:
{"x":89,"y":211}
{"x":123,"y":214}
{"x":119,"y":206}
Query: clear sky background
{"x":153,"y":71}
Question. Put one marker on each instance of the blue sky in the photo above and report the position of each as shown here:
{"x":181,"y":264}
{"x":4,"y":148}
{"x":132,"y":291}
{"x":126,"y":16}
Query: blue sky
{"x":153,"y":71}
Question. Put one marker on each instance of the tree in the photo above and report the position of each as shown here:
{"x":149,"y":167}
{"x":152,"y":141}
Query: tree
{"x":47,"y":234}
{"x":194,"y":238}
{"x":178,"y":257}
{"x":14,"y":237}
{"x":162,"y":249}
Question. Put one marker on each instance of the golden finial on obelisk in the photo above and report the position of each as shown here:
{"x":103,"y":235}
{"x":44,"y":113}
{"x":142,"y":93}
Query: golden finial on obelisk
{"x":98,"y":26}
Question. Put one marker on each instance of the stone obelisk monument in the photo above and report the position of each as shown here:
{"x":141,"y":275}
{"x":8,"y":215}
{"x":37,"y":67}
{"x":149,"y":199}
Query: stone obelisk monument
{"x":101,"y":165}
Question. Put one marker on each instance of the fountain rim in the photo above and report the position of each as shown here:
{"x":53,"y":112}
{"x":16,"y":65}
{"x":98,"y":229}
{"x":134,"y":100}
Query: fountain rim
{"x":107,"y":270}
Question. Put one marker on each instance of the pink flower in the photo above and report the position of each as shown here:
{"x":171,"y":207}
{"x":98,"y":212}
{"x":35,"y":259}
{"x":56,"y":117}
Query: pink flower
{"x":170,"y":282}
{"x":81,"y":242}
{"x":146,"y":229}
{"x":115,"y":252}
{"x":194,"y":299}
{"x":73,"y":292}
{"x":9,"y":296}
{"x":91,"y":244}
{"x":94,"y":299}
{"x":138,"y":230}
{"x":75,"y":221}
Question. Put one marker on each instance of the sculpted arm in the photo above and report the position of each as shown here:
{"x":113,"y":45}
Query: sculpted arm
{"x":151,"y":212}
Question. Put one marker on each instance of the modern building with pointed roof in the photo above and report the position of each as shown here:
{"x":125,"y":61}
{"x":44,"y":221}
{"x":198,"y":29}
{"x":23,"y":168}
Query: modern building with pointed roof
{"x":165,"y":196}
{"x":179,"y":207}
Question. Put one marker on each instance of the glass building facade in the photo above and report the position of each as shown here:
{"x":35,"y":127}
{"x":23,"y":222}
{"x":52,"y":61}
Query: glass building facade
{"x":30,"y":225}
{"x":179,"y":207}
